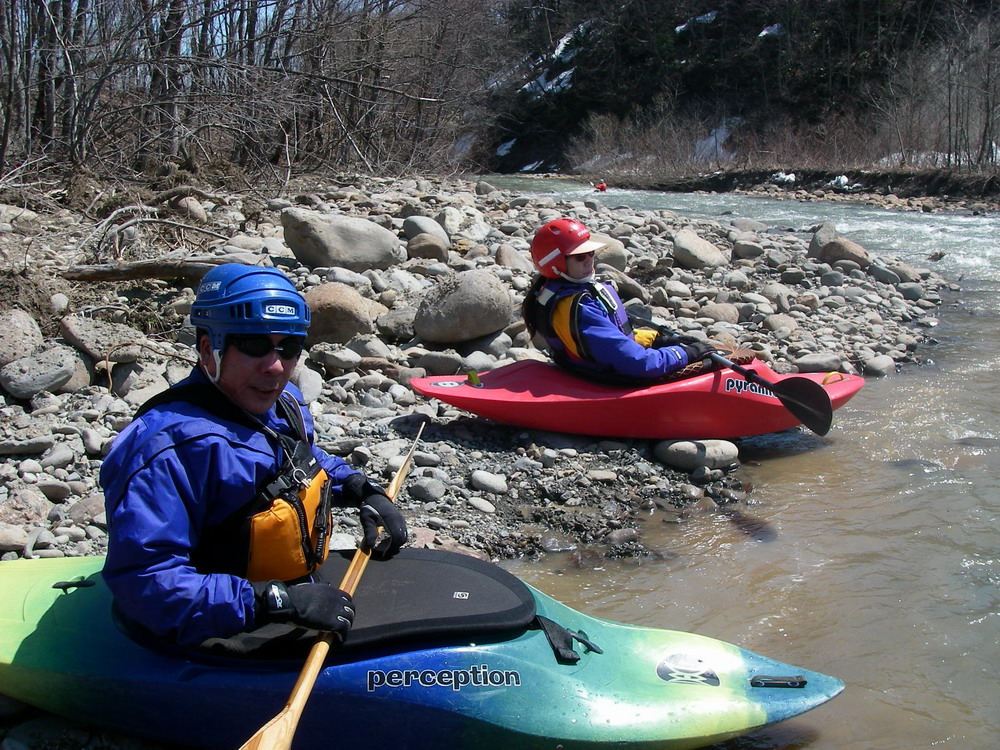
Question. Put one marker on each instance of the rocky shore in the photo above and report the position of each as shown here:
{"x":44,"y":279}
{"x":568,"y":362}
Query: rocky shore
{"x":407,"y":277}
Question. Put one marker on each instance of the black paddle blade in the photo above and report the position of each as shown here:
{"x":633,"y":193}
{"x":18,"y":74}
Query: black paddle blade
{"x":807,"y":400}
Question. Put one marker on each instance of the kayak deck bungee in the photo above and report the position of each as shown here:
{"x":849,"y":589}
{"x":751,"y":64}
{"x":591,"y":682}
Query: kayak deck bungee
{"x":716,"y":404}
{"x":629,"y":686}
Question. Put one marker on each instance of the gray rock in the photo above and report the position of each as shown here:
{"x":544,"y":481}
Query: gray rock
{"x":46,"y":370}
{"x":87,"y":510}
{"x":26,"y":446}
{"x":823,"y":234}
{"x":414,"y":226}
{"x":482,"y":505}
{"x":26,"y":507}
{"x":612,"y":254}
{"x":692,"y":251}
{"x":488,"y":482}
{"x":440,"y":363}
{"x":509,"y":257}
{"x":688,"y":455}
{"x":308,"y":381}
{"x":333,"y":240}
{"x":883,"y":274}
{"x":339,"y":313}
{"x":190,"y":208}
{"x":779,"y":321}
{"x":427,"y":246}
{"x":843,"y":249}
{"x":720,"y":312}
{"x":428,"y":489}
{"x":60,"y":456}
{"x":397,"y":323}
{"x":747,"y":249}
{"x":12,"y":538}
{"x":463,"y":306}
{"x":820,"y":362}
{"x":102,"y":340}
{"x":879,"y":366}
{"x":19,"y":335}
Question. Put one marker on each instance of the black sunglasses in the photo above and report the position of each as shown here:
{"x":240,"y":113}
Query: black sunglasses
{"x":260,"y":345}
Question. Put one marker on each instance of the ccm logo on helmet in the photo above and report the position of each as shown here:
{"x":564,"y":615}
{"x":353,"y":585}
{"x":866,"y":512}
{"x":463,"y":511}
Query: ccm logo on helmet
{"x":279,"y":310}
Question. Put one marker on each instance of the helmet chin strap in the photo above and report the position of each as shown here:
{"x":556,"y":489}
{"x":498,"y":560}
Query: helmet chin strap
{"x":217,"y":358}
{"x":589,"y":279}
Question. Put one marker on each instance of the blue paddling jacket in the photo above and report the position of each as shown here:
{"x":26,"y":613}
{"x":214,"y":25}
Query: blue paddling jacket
{"x":171,"y":476}
{"x":586,"y":329}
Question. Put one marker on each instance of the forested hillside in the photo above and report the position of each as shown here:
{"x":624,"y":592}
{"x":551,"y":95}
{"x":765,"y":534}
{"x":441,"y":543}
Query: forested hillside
{"x":645,"y":88}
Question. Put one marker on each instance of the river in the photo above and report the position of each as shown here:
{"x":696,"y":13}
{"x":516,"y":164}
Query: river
{"x":880,"y":563}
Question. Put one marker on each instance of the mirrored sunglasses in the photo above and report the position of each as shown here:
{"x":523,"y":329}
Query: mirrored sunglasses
{"x":258,"y":346}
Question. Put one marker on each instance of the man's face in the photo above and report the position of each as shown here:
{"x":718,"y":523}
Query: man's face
{"x":253,"y":383}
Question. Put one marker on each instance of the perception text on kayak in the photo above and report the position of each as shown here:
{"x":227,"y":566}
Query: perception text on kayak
{"x":479,"y":675}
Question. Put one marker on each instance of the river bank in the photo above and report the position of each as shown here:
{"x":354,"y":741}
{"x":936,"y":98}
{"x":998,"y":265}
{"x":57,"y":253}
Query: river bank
{"x":926,"y":190}
{"x":494,"y":490}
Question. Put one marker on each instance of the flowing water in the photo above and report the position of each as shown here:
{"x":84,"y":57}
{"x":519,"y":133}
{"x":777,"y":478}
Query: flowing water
{"x":872,"y":553}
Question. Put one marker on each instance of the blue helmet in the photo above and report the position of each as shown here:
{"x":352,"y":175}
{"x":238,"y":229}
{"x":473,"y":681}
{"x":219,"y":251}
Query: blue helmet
{"x":238,"y":299}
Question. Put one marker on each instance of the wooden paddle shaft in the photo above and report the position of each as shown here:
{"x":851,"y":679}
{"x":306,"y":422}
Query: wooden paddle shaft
{"x":278,"y":733}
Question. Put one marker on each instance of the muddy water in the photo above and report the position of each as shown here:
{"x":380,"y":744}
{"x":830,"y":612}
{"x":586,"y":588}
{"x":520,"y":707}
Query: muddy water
{"x":873,"y":553}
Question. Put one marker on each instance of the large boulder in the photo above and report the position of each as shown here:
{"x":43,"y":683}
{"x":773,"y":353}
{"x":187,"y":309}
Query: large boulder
{"x":509,"y":256}
{"x":720,"y":312}
{"x":415,"y":225}
{"x":843,"y":249}
{"x":20,"y":218}
{"x":822,"y":234}
{"x":462,"y":307}
{"x":692,"y":251}
{"x":688,"y":455}
{"x":322,"y":240}
{"x":115,"y":342}
{"x":613,"y":253}
{"x":426,"y":245}
{"x":47,"y":369}
{"x":18,"y":336}
{"x":339,"y":313}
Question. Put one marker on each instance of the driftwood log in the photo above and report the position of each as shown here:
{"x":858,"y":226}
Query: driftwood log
{"x":161,"y":268}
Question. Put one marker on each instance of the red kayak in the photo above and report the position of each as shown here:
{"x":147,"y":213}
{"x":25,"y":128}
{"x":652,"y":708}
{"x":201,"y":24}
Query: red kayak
{"x":717,"y":404}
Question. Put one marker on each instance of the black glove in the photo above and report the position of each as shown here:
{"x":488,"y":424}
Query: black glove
{"x":674,"y":339}
{"x":319,"y":606}
{"x":378,"y":510}
{"x":697,"y":351}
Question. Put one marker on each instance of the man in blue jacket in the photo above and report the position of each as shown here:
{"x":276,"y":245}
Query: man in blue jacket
{"x":218,"y":502}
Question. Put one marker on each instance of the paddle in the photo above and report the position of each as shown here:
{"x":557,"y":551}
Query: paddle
{"x":807,"y":400}
{"x":277,"y":734}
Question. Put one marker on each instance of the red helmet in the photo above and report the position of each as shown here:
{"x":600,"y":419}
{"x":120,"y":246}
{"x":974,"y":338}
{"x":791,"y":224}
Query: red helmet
{"x":556,"y":240}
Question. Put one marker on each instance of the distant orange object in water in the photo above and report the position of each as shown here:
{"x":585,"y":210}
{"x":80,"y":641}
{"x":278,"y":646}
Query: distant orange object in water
{"x":601,"y":186}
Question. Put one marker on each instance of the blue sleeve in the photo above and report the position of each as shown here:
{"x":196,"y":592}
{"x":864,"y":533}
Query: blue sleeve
{"x":155,"y":516}
{"x":608,"y":345}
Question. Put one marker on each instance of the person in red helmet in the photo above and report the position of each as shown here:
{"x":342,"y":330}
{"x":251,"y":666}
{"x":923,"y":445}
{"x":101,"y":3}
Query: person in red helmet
{"x":583,"y":320}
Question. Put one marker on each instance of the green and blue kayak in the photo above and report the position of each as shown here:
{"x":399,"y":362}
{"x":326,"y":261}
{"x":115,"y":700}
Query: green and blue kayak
{"x":542,"y":675}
